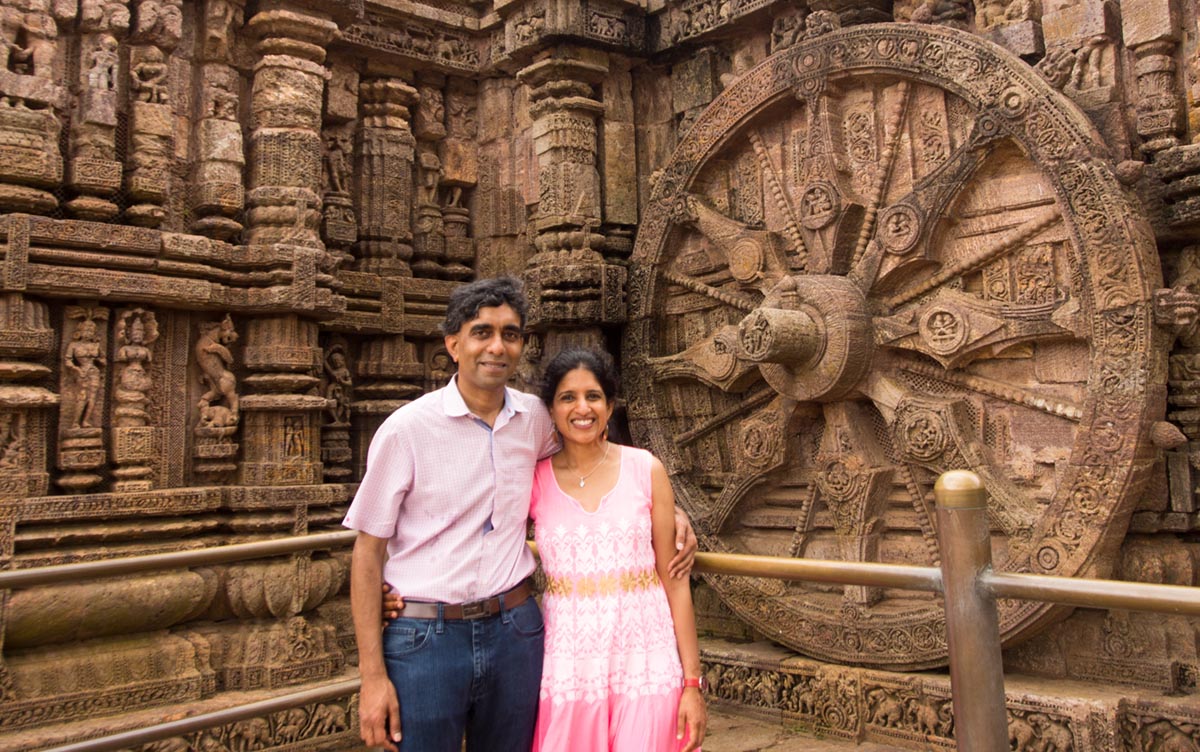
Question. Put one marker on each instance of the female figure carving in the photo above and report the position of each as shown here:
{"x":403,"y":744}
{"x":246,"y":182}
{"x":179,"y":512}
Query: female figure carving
{"x":83,"y":360}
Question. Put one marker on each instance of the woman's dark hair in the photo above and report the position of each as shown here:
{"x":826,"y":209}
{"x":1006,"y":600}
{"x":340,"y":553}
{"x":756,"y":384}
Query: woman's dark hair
{"x":597,"y":361}
{"x":466,"y":300}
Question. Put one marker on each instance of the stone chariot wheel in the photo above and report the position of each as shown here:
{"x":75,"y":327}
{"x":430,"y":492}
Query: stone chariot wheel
{"x":879,"y":255}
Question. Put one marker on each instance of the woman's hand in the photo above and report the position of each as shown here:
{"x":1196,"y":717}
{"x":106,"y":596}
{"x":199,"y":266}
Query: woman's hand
{"x":692,"y":720}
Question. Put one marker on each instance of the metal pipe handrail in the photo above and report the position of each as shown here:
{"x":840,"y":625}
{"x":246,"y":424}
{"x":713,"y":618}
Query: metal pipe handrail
{"x":147,"y":734}
{"x":822,"y":570}
{"x":1090,"y":593}
{"x":89,"y":570}
{"x":963,"y":536}
{"x":1080,"y":592}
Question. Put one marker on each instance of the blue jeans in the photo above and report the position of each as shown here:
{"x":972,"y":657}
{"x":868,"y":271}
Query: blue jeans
{"x":480,"y":677}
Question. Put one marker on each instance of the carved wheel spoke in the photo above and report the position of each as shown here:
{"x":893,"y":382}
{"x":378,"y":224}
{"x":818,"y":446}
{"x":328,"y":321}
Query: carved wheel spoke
{"x":840,"y":291}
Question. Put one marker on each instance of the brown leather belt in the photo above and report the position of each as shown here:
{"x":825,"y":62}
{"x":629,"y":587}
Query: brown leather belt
{"x":466,"y":611}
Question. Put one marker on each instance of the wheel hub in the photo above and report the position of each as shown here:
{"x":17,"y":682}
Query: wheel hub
{"x":811,"y":337}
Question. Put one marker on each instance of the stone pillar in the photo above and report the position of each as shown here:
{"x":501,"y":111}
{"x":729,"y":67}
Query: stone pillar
{"x":565,"y":114}
{"x":618,"y":142}
{"x":93,"y":171}
{"x":385,"y":177}
{"x":26,"y":338}
{"x":157,"y":29}
{"x":460,"y":175}
{"x":1193,"y":87}
{"x":339,"y":227}
{"x":281,"y":422}
{"x":390,"y":375}
{"x":285,"y":142}
{"x":1179,"y":165}
{"x":31,"y":164}
{"x":1151,"y":32}
{"x":1183,"y":392}
{"x":218,"y":194}
{"x":429,"y":126}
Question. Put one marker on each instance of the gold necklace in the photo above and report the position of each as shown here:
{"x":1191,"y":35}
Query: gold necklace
{"x":582,"y":478}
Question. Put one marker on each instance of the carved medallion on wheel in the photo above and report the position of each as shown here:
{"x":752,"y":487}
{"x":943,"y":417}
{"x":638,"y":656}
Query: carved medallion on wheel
{"x":931,"y":267}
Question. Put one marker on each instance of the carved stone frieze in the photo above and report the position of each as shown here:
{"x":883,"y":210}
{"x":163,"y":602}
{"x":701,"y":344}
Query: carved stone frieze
{"x":417,"y":40}
{"x":610,"y":24}
{"x":321,"y":726}
{"x":843,"y":256}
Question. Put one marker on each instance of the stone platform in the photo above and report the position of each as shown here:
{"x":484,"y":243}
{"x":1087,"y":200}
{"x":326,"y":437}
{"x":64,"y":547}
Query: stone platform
{"x":793,"y":697}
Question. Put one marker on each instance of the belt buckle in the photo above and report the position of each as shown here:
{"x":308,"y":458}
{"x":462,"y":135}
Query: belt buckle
{"x":475,"y":609}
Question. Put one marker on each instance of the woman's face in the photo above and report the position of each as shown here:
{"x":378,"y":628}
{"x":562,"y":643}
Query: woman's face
{"x":580,"y":409}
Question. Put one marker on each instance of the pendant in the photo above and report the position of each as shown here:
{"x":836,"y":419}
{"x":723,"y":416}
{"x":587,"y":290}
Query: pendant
{"x":581,"y":482}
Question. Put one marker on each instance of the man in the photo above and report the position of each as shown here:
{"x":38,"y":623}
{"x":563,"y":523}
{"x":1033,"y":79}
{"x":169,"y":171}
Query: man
{"x":441,"y":514}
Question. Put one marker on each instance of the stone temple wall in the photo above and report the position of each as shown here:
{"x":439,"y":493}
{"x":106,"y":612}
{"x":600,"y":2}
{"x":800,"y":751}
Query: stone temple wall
{"x":839,"y":246}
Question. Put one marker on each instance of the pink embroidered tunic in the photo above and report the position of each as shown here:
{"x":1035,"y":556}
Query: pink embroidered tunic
{"x":611,"y":675}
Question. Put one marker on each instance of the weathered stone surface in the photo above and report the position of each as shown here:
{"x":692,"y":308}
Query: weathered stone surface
{"x":840,"y":258}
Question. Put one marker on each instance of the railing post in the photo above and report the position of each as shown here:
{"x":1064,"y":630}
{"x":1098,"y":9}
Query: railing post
{"x":972,"y":621}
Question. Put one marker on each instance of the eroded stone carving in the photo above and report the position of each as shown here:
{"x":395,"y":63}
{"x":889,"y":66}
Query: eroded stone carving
{"x":218,"y":408}
{"x":335,"y":434}
{"x":910,"y":338}
{"x":135,"y":440}
{"x":84,"y":363}
{"x":280,"y":170}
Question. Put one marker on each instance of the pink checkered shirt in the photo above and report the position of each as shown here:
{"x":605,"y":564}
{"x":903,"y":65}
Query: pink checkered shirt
{"x":452,"y":495}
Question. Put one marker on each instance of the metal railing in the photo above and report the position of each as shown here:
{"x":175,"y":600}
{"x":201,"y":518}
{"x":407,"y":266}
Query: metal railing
{"x":13,"y":579}
{"x":965,"y":578}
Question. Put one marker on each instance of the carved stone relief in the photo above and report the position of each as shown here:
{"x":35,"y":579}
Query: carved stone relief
{"x":856,"y":297}
{"x":136,"y":441}
{"x":84,"y":370}
{"x":217,"y":409}
{"x":883,"y":252}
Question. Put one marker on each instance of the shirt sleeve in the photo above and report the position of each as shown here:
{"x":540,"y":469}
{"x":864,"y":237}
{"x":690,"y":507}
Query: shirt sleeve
{"x":548,"y":442}
{"x":385,"y":484}
{"x":535,"y":493}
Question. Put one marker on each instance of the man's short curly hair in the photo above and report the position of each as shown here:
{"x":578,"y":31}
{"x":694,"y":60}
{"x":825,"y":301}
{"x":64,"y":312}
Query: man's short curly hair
{"x":466,"y":300}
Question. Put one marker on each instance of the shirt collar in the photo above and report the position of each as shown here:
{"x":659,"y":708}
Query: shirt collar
{"x":455,"y":406}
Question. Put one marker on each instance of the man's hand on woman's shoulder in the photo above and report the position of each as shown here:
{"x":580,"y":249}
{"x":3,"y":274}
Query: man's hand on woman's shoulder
{"x":392,"y":604}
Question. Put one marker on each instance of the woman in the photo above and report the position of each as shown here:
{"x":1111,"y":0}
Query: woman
{"x":622,"y":663}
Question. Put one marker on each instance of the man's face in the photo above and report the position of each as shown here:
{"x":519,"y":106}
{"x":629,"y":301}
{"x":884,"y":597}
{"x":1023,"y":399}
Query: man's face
{"x":487,"y":348}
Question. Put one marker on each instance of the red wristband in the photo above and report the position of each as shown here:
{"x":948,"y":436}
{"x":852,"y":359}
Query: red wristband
{"x":699,"y":682}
